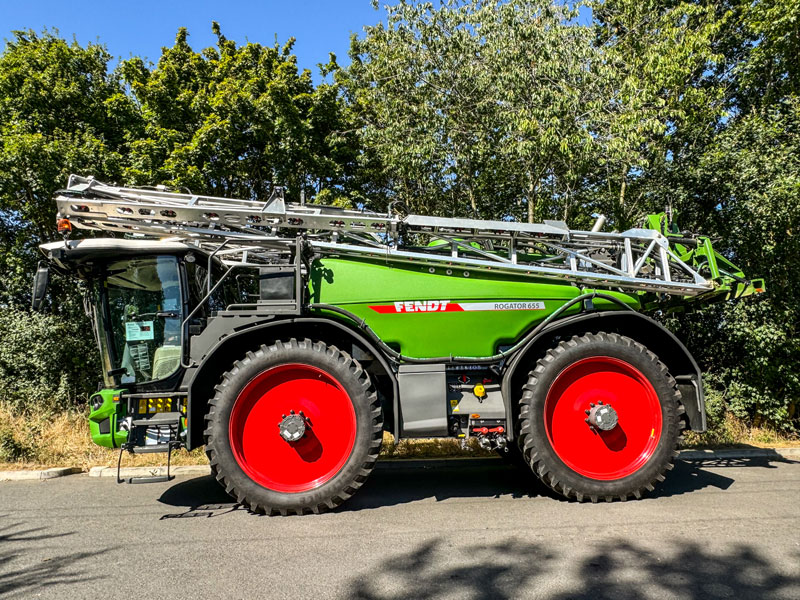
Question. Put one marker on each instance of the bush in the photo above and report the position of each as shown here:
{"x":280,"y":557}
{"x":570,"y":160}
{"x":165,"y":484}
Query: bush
{"x":47,"y":362}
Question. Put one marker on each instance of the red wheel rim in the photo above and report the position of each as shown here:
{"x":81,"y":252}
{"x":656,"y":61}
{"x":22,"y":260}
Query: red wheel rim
{"x":603,"y":455}
{"x":254,"y":435}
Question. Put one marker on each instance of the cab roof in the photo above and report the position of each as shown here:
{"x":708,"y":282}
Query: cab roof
{"x":70,"y":253}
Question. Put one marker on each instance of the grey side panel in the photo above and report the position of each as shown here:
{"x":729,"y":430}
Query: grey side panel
{"x":423,"y":400}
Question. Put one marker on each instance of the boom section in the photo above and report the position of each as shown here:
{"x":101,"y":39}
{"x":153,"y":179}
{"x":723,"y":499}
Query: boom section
{"x":255,"y":232}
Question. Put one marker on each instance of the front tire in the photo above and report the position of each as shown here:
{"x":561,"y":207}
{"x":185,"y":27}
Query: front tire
{"x":274,"y":395}
{"x":560,"y":436}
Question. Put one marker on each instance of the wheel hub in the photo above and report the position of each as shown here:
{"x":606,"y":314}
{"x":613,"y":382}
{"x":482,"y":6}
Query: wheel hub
{"x":292,"y":427}
{"x":602,"y":416}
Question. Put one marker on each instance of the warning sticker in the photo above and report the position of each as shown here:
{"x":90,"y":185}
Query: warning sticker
{"x":416,"y":306}
{"x":138,"y":331}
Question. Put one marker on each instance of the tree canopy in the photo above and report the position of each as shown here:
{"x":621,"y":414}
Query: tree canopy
{"x":514,"y":109}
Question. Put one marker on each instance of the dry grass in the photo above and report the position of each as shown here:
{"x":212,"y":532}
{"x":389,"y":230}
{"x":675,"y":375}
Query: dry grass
{"x":41,"y":440}
{"x":431,"y":448}
{"x":734,"y":432}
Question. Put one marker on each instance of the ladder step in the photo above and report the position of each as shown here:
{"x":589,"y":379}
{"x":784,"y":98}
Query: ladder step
{"x":153,"y":479}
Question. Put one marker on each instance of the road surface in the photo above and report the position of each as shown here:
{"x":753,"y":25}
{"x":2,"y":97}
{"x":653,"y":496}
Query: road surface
{"x":466,"y":529}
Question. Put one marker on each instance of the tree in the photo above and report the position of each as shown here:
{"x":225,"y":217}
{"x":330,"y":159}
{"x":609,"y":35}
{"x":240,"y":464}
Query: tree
{"x":727,"y":162}
{"x":474,"y":105}
{"x":229,"y":120}
{"x":235,"y":121}
{"x":61,"y":112}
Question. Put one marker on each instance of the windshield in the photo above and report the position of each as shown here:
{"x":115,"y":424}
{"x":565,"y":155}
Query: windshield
{"x":139,"y":318}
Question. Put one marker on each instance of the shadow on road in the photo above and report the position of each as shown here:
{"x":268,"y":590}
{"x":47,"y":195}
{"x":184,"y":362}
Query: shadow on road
{"x":19,"y":578}
{"x":615,"y":570}
{"x":200,"y":497}
{"x":395,"y":483}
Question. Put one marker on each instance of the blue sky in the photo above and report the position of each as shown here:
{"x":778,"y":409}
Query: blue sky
{"x":142,"y":27}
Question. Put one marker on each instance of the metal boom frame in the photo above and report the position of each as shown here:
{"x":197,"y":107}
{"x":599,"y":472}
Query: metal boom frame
{"x":257,"y":232}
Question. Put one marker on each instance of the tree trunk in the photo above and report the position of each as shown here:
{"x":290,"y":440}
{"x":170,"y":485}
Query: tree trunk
{"x":531,"y":199}
{"x":621,"y":217}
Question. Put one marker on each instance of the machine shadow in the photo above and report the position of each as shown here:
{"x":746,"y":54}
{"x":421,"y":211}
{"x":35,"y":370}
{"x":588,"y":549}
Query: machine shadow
{"x":400,"y":482}
{"x":20,"y":578}
{"x":692,"y":474}
{"x":198,"y":497}
{"x":613,"y":570}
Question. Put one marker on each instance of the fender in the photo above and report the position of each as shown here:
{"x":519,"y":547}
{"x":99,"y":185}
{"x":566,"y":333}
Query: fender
{"x":222,"y":354}
{"x":645,"y":330}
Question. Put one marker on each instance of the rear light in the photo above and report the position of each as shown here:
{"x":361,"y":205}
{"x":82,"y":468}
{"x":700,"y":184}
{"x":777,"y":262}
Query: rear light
{"x":63,"y":226}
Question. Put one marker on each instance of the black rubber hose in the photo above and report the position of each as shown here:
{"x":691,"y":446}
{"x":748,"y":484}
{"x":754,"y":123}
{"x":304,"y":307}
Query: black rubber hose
{"x":396,"y":356}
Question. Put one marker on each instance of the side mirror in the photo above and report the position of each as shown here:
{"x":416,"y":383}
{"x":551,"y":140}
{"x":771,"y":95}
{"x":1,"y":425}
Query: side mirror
{"x":40,"y":281}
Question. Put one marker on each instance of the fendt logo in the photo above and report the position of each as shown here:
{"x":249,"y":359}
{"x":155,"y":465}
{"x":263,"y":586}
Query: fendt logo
{"x":428,"y":306}
{"x":418,"y":306}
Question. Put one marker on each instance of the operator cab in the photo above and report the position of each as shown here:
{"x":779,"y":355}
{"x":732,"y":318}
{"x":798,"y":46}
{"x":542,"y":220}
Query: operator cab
{"x":137,"y":302}
{"x":146,"y":298}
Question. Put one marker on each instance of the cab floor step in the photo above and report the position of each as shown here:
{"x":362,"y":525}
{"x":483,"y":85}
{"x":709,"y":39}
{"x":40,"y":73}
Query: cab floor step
{"x":151,"y":449}
{"x":169,"y":418}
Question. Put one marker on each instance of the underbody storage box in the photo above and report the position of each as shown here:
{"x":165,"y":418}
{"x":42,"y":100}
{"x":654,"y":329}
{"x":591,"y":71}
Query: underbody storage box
{"x":423,"y":395}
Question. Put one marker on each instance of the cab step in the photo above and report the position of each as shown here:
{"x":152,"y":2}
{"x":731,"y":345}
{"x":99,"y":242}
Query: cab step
{"x":163,"y":425}
{"x":168,"y":448}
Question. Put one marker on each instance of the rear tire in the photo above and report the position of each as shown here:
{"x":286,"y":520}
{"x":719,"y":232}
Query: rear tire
{"x":579,"y":459}
{"x":341,"y":439}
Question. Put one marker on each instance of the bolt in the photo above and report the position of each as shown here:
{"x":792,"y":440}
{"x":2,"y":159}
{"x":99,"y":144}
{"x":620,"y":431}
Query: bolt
{"x":587,"y":411}
{"x":600,"y":402}
{"x":291,"y":412}
{"x":283,"y":416}
{"x":586,"y":421}
{"x":591,"y":404}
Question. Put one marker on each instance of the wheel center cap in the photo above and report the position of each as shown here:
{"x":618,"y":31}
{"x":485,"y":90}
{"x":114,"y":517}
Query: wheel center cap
{"x":292,"y":427}
{"x":603,"y":417}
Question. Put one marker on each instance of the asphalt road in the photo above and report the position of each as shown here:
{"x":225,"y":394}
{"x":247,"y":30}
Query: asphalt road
{"x":468,"y":529}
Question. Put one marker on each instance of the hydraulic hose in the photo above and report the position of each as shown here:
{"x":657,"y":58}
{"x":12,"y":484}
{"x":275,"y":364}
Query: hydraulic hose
{"x":495,"y":358}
